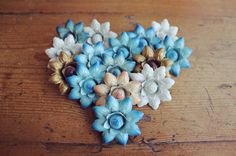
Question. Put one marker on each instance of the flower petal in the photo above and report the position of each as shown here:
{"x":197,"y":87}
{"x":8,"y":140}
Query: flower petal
{"x":186,"y":52}
{"x":110,"y":79}
{"x":62,"y":32}
{"x":139,"y":29}
{"x":113,"y":42}
{"x":69,"y":41}
{"x":124,"y":38}
{"x":107,"y":60}
{"x":175,"y":69}
{"x":101,"y":111}
{"x":70,"y":25}
{"x":82,"y":70}
{"x":74,"y":94}
{"x":122,"y":138}
{"x":112,"y":103}
{"x":132,"y":129}
{"x":108,"y":135}
{"x":105,"y":27}
{"x":95,"y":25}
{"x":154,"y":101}
{"x":165,"y":25}
{"x":164,"y":95}
{"x":98,"y":125}
{"x":125,"y":105}
{"x":173,"y":31}
{"x":144,"y":101}
{"x":147,"y":71}
{"x":81,"y":58}
{"x":79,"y":27}
{"x":179,"y":43}
{"x":89,"y":30}
{"x":123,"y":78}
{"x":134,"y":116}
{"x":101,"y":101}
{"x":160,"y":73}
{"x":156,"y":26}
{"x":128,"y":66}
{"x":85,"y":101}
{"x":166,"y":83}
{"x":87,"y":49}
{"x":101,"y":89}
{"x":73,"y":80}
{"x":58,"y":43}
{"x":137,"y":77}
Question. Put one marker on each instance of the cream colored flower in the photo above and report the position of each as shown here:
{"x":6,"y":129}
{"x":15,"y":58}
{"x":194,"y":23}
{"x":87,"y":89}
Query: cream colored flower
{"x":119,"y":87}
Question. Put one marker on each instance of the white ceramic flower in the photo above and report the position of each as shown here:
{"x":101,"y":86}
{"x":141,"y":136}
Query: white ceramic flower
{"x":164,"y":29}
{"x":99,"y":32}
{"x":68,"y":46}
{"x":155,"y":85}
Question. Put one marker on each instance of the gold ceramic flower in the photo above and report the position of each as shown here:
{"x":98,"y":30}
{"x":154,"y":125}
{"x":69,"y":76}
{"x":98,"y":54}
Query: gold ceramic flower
{"x":154,"y":58}
{"x":62,"y":67}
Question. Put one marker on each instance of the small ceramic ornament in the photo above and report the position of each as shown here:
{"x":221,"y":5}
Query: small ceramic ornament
{"x":99,"y":32}
{"x":155,"y":85}
{"x":62,"y":68}
{"x":119,"y":87}
{"x":154,"y":58}
{"x":163,"y":29}
{"x":117,"y":120}
{"x":177,"y":53}
{"x":67,"y":46}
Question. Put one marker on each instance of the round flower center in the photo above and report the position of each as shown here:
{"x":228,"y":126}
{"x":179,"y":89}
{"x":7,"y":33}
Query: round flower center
{"x":172,"y":55}
{"x":118,"y":93}
{"x":151,"y":87}
{"x":116,"y":121}
{"x":97,"y":38}
{"x":69,"y":71}
{"x":154,"y":64}
{"x":88,"y":85}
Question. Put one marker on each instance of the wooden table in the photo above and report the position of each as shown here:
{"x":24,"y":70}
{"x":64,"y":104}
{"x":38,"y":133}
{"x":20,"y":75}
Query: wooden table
{"x":36,"y":120}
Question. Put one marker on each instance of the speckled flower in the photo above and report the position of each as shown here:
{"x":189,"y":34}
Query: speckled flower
{"x":117,"y":120}
{"x":67,"y":46}
{"x":155,"y":85}
{"x":119,"y":87}
{"x":178,"y":53}
{"x":83,"y":83}
{"x":99,"y":32}
{"x":77,"y":30}
{"x":62,"y":68}
{"x":154,"y":58}
{"x":164,"y":29}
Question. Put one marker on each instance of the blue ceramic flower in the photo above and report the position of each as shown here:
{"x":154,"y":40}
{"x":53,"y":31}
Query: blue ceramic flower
{"x":82,"y":84}
{"x":117,"y":120}
{"x":110,"y":60}
{"x":77,"y":30}
{"x":178,"y":53}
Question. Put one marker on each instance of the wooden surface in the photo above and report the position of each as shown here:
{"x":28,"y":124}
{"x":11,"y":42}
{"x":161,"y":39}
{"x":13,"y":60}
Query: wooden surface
{"x":36,"y":120}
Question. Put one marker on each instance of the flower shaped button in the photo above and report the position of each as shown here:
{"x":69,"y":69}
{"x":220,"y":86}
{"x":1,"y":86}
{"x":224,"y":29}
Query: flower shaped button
{"x":117,"y":120}
{"x":155,"y":86}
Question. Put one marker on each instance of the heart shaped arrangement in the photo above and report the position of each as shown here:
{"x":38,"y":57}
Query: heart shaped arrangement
{"x":93,"y":65}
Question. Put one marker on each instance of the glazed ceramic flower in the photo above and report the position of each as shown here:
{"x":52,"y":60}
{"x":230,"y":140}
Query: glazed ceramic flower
{"x":178,"y":53}
{"x":67,"y":46}
{"x":77,"y":30}
{"x":155,"y":85}
{"x":117,"y":120}
{"x":99,"y":32}
{"x":83,"y":83}
{"x":119,"y":87}
{"x":154,"y":58}
{"x":62,"y":68}
{"x":164,"y":29}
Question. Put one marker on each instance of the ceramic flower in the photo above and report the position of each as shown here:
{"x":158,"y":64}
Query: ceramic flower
{"x":99,"y":32}
{"x":67,"y":46}
{"x":154,"y":58}
{"x":155,"y":85}
{"x":83,"y":82}
{"x":164,"y":29}
{"x":117,"y":120}
{"x":119,"y":87}
{"x":77,"y":30}
{"x":178,"y":53}
{"x":62,"y":68}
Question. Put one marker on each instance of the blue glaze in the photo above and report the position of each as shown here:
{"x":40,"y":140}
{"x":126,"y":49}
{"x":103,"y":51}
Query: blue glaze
{"x":116,"y":120}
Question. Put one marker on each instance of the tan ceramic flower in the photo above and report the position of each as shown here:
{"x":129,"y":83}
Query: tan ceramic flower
{"x":119,"y":87}
{"x":62,"y":67}
{"x":153,"y":58}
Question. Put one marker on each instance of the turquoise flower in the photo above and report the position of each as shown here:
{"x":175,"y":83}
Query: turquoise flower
{"x":117,"y":120}
{"x":110,"y":60}
{"x":178,"y":53}
{"x":77,"y":30}
{"x":83,"y":83}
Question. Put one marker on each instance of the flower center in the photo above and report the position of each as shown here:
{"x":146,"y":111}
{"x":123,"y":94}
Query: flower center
{"x":116,"y":121}
{"x":172,"y":55}
{"x":96,"y":38}
{"x":88,"y":85}
{"x":118,"y":93}
{"x":154,"y":64}
{"x":69,"y":70}
{"x":151,"y":87}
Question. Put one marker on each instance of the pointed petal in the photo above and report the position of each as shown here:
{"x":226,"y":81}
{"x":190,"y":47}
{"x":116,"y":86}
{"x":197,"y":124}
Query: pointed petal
{"x":110,"y":79}
{"x":122,"y":138}
{"x":132,"y":129}
{"x":58,"y":43}
{"x":139,"y":29}
{"x":69,"y":41}
{"x":186,"y":52}
{"x":166,"y":83}
{"x":137,"y":77}
{"x":105,"y":27}
{"x":101,"y":89}
{"x":85,"y":101}
{"x":173,"y":31}
{"x":179,"y":43}
{"x":168,"y":41}
{"x":134,"y":116}
{"x":95,"y":25}
{"x":74,"y":94}
{"x":154,"y":102}
{"x":113,"y":42}
{"x":175,"y":69}
{"x":165,"y":25}
{"x":62,"y":32}
{"x":98,"y":125}
{"x":70,"y":25}
{"x":124,"y":38}
{"x":112,"y":103}
{"x":123,"y":78}
{"x":144,"y":101}
{"x":87,"y":49}
{"x":108,"y":136}
{"x":101,"y":101}
{"x":128,"y":66}
{"x":73,"y":81}
{"x":99,"y":48}
{"x":81,"y":58}
{"x":101,"y":111}
{"x":125,"y":105}
{"x":82,"y":70}
{"x":79,"y":27}
{"x":112,"y":34}
{"x":147,"y":71}
{"x":89,"y":30}
{"x":160,"y":73}
{"x":150,"y":32}
{"x":184,"y":63}
{"x":156,"y":26}
{"x":108,"y":60}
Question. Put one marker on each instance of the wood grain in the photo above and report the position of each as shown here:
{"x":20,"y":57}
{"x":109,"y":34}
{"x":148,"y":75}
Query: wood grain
{"x":36,"y":120}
